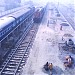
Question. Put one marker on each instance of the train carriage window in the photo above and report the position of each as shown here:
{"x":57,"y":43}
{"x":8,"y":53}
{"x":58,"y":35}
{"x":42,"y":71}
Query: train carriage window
{"x":14,"y":23}
{"x":21,"y":18}
{"x":3,"y":32}
{"x":11,"y":27}
{"x":24,"y":16}
{"x":0,"y":34}
{"x":7,"y":28}
{"x":17,"y":21}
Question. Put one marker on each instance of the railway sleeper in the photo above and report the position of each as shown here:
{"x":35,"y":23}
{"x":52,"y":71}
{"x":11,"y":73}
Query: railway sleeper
{"x":19,"y":71}
{"x":11,"y":66}
{"x":22,"y":46}
{"x":22,"y":65}
{"x":19,"y":49}
{"x":27,"y":53}
{"x":22,"y":43}
{"x":18,"y":54}
{"x":23,"y":61}
{"x":9,"y":69}
{"x":14,"y":61}
{"x":26,"y":56}
{"x":17,"y":59}
{"x":0,"y":68}
{"x":25,"y":42}
{"x":7,"y":73}
{"x":22,"y":50}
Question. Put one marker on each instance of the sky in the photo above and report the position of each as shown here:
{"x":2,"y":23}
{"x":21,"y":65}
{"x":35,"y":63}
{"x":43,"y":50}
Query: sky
{"x":61,"y":1}
{"x":42,"y":2}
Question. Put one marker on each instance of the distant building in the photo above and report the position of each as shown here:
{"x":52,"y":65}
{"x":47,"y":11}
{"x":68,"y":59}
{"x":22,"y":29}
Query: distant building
{"x":10,"y":4}
{"x":2,"y":5}
{"x":26,"y":2}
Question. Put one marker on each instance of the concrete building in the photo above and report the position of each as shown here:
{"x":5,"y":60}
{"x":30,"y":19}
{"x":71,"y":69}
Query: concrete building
{"x":11,"y":4}
{"x":2,"y":5}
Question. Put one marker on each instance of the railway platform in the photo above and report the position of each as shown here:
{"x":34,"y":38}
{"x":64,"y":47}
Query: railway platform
{"x":46,"y":48}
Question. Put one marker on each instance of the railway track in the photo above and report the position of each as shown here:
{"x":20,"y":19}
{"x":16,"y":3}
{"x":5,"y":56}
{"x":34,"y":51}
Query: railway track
{"x":17,"y":58}
{"x":67,"y":17}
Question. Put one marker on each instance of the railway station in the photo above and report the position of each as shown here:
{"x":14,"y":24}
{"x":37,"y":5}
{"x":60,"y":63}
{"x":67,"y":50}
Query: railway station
{"x":37,"y":40}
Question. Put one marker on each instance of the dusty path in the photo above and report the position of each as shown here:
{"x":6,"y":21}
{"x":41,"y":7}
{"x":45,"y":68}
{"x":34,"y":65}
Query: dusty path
{"x":45,"y":48}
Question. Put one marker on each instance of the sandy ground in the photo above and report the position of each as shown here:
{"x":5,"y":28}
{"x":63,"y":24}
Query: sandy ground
{"x":45,"y":48}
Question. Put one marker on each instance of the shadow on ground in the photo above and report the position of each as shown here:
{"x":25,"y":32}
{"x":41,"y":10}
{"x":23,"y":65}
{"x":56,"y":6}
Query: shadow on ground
{"x":56,"y":71}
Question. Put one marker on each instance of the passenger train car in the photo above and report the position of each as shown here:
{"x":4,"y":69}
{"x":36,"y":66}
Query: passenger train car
{"x":12,"y":24}
{"x":11,"y":21}
{"x":39,"y":13}
{"x":6,"y":24}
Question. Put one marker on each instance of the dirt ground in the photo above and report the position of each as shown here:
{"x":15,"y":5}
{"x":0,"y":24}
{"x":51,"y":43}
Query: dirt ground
{"x":46,"y":48}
